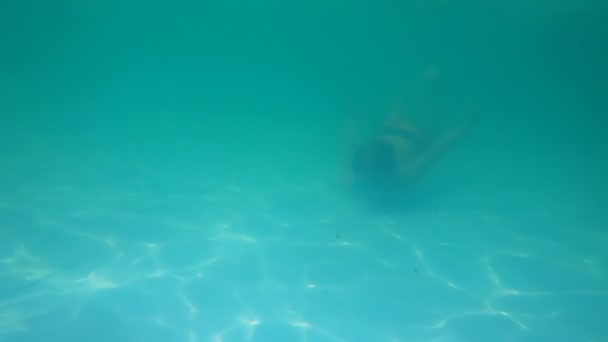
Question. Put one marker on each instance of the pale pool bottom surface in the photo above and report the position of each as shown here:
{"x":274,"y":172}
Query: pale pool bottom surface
{"x":231,"y":262}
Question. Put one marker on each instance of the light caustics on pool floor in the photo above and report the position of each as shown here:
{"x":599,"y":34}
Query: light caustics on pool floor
{"x":237,"y":264}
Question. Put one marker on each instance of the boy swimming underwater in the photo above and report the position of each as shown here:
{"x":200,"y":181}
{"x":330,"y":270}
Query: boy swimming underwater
{"x":385,"y":166}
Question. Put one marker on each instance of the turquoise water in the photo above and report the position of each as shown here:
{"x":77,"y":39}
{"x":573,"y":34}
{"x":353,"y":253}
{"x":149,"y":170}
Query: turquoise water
{"x":174,"y":171}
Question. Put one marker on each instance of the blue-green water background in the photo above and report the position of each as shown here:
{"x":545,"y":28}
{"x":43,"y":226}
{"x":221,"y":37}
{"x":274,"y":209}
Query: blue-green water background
{"x":162,"y":99}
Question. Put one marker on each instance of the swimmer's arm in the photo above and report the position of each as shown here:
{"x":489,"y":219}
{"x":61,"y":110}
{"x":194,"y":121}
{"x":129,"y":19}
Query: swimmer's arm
{"x":439,"y":147}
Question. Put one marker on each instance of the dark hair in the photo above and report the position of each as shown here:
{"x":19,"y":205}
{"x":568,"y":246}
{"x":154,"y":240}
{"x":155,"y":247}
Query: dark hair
{"x":375,"y":163}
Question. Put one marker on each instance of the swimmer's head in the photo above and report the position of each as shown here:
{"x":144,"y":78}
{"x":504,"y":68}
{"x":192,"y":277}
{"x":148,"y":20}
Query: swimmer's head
{"x":375,"y":164}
